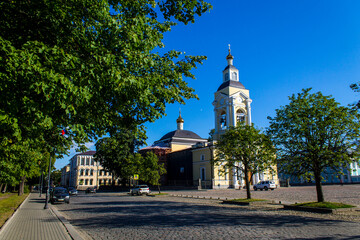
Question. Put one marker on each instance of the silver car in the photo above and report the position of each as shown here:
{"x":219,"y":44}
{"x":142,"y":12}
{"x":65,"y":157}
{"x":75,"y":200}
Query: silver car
{"x":265,"y":185}
{"x":139,"y":190}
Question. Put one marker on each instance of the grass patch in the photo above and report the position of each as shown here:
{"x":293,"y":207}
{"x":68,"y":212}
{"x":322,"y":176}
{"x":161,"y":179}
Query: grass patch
{"x":8,"y":205}
{"x":159,"y":194}
{"x":327,"y":205}
{"x":245,"y":200}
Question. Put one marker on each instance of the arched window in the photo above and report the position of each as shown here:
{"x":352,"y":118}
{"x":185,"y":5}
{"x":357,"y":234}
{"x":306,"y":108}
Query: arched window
{"x":87,"y":172}
{"x":240,"y":116}
{"x":234,"y":76}
{"x":223,"y":122}
{"x":91,"y":182}
{"x":86,"y":181}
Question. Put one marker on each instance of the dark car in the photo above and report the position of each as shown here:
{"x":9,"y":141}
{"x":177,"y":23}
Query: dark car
{"x":59,"y":194}
{"x":73,"y":191}
{"x":90,"y":190}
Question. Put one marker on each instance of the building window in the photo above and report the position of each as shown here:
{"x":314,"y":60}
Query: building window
{"x":234,"y":76}
{"x":182,"y":170}
{"x":223,"y":123}
{"x":87,"y":161}
{"x":87,"y":172}
{"x":240,"y":116}
{"x":100,"y":181}
{"x":91,"y":172}
{"x":92,"y":161}
{"x":82,"y":160}
{"x":81,"y":181}
{"x":81,"y":172}
{"x":86,"y":181}
{"x":202,"y":157}
{"x":226,"y":76}
{"x":91,"y":182}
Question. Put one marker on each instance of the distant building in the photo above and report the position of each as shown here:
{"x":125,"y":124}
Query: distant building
{"x":84,"y":172}
{"x":351,"y":174}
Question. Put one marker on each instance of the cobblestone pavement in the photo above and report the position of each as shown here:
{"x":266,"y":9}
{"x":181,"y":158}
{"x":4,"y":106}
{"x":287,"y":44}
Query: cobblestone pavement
{"x":349,"y":194}
{"x":119,"y":216}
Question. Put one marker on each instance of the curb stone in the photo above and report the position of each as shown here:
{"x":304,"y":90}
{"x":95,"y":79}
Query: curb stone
{"x":70,"y":229}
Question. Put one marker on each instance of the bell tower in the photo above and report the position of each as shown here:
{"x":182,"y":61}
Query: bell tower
{"x":232,"y":103}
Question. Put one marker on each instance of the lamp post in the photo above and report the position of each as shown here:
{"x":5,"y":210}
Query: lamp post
{"x":41,"y":183}
{"x":48,"y":188}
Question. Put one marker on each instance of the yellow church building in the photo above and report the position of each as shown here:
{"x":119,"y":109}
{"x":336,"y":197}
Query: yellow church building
{"x":232,"y":104}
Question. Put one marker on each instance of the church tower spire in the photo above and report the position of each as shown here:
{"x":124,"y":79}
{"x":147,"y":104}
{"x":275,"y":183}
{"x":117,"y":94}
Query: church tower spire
{"x":180,"y":122}
{"x":229,"y":57}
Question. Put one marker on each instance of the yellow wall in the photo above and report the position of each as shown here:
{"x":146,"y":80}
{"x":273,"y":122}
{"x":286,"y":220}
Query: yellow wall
{"x":178,"y":147}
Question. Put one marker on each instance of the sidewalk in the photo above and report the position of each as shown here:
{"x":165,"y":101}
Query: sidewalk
{"x":32,"y":222}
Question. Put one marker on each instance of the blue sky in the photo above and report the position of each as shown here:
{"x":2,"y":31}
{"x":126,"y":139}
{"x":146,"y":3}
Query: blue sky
{"x":279,"y":47}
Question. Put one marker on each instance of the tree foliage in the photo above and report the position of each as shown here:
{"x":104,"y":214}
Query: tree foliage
{"x":116,"y":153}
{"x":356,"y":88}
{"x":313,"y":133}
{"x":90,"y":67}
{"x":247,"y":150}
{"x":151,"y":170}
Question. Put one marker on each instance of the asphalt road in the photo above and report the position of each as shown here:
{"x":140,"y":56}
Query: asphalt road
{"x":119,"y":216}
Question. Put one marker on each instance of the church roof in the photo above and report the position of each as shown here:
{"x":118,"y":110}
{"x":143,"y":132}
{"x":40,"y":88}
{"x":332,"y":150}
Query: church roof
{"x":181,"y":134}
{"x":231,"y":67}
{"x":231,"y":84}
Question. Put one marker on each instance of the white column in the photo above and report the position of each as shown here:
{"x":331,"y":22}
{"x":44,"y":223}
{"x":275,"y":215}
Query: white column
{"x":216,"y":122}
{"x":248,"y":109}
{"x":233,"y":111}
{"x":227,"y":115}
{"x":235,"y":182}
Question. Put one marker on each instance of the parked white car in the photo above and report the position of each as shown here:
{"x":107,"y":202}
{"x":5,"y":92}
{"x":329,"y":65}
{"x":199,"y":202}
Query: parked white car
{"x":265,"y":185}
{"x":140,"y":189}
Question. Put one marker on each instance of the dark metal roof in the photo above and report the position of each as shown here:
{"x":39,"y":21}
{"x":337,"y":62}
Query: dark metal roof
{"x":231,"y":84}
{"x":231,"y":67}
{"x":87,"y":153}
{"x":181,"y":134}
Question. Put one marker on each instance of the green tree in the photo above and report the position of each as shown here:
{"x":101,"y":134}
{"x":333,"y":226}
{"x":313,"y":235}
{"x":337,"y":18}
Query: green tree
{"x":247,"y":150}
{"x":312,"y":133}
{"x":151,"y":170}
{"x":88,"y":66}
{"x":116,"y":153}
{"x":356,"y":88}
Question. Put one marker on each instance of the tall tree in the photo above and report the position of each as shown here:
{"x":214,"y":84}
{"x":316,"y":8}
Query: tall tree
{"x":247,"y":150}
{"x":88,"y":66}
{"x":116,"y":153}
{"x":313,"y":133}
{"x":151,"y":170}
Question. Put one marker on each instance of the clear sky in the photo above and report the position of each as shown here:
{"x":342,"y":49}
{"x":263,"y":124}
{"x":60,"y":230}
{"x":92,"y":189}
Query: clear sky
{"x":279,"y":47}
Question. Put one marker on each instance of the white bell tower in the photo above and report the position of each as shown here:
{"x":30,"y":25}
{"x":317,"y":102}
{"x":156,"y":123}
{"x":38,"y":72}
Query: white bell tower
{"x":232,"y":104}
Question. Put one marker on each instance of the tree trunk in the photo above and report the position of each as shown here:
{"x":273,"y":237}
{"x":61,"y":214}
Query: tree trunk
{"x":21,"y":186}
{"x":159,"y":188}
{"x":319,"y":192}
{"x":5,"y":187}
{"x":247,"y":183}
{"x":1,"y":187}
